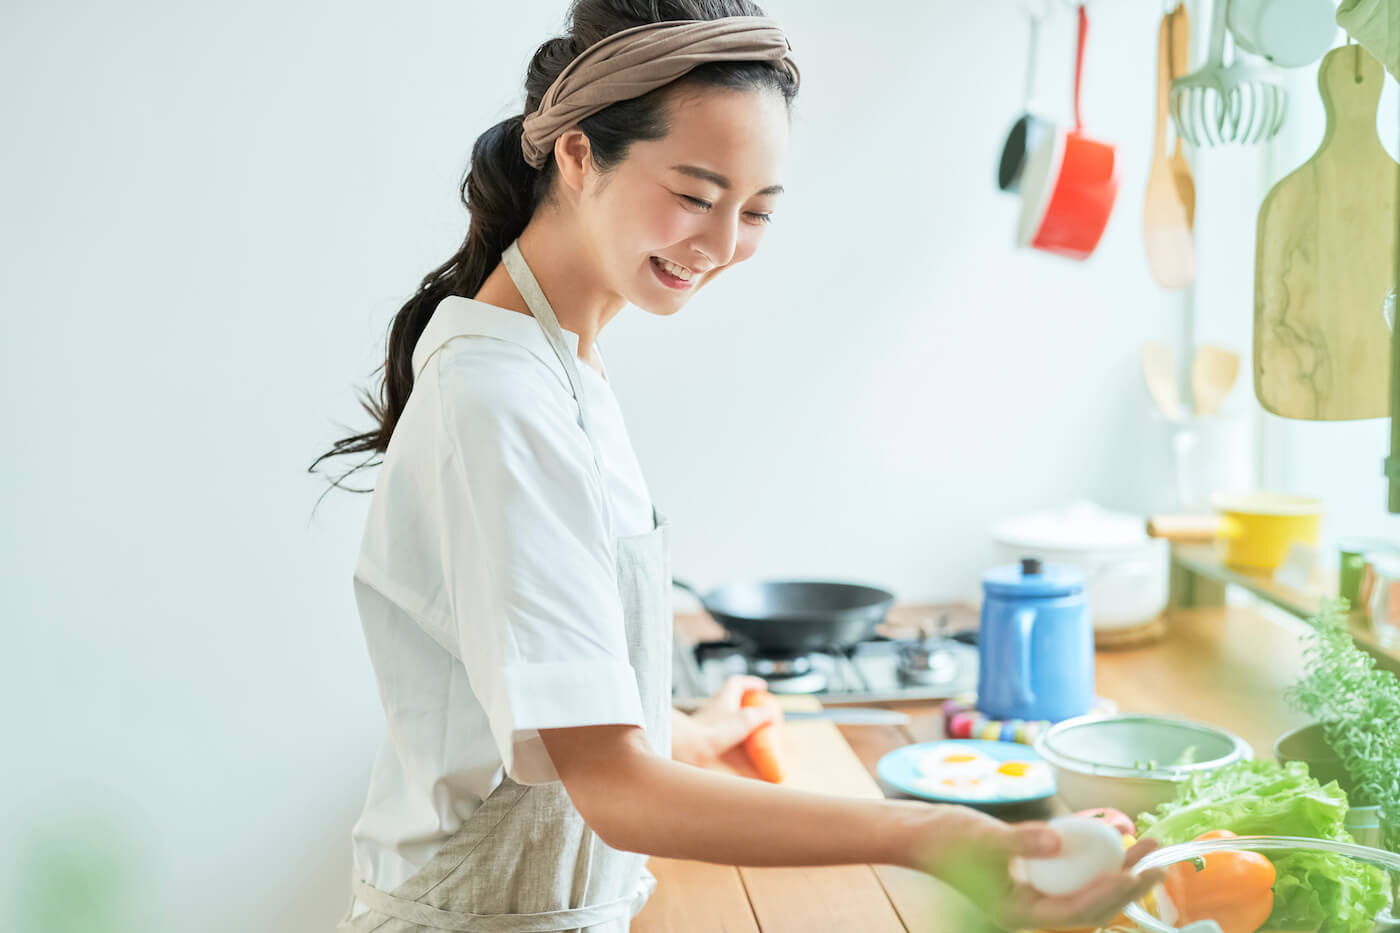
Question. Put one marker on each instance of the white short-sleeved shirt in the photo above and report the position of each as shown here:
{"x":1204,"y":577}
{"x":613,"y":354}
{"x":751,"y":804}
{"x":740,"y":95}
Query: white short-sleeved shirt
{"x":485,"y":581}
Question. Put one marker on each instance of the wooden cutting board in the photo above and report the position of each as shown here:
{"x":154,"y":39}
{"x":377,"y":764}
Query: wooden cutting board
{"x":875,"y":897}
{"x":1325,"y":258}
{"x":819,"y":758}
{"x":693,"y":897}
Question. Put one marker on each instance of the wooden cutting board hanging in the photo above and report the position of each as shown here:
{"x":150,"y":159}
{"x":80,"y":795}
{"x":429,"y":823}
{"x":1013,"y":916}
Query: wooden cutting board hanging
{"x":1325,"y":259}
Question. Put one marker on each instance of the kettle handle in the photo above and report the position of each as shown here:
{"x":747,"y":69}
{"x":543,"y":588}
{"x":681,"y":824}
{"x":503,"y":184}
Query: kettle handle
{"x":1025,"y":622}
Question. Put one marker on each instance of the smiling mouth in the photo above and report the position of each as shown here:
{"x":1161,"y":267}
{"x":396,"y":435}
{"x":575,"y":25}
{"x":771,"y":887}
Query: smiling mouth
{"x":666,"y":272}
{"x":675,"y":268}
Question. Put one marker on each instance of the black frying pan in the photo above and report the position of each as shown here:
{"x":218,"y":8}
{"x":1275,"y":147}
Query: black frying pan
{"x":1029,"y":130}
{"x":787,"y":618}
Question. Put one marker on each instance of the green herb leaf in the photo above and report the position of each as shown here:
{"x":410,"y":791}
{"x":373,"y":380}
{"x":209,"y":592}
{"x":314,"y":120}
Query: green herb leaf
{"x":1358,"y":706}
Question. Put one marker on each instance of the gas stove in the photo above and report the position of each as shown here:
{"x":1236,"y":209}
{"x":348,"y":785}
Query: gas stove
{"x":881,"y":669}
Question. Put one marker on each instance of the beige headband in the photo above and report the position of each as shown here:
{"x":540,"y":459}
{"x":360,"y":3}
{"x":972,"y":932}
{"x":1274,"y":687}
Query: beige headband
{"x":634,"y":61}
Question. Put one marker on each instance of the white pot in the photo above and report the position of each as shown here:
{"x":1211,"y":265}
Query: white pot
{"x":1290,"y":33}
{"x":1126,"y":571}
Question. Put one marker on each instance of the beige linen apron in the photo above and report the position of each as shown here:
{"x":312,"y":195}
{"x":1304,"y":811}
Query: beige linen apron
{"x":525,"y":861}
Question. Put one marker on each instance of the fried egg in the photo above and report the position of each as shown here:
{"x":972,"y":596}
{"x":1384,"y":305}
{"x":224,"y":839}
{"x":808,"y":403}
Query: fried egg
{"x":1023,"y":779}
{"x":954,"y":771}
{"x":956,"y":762}
{"x":965,"y":787}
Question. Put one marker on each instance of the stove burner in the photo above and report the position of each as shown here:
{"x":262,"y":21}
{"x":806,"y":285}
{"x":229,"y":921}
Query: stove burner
{"x":926,"y":662}
{"x":877,"y":669}
{"x":810,"y":682}
{"x":780,"y":667}
{"x":790,"y":675}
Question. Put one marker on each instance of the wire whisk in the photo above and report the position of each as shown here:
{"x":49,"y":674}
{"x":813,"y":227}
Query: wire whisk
{"x":1219,"y":104}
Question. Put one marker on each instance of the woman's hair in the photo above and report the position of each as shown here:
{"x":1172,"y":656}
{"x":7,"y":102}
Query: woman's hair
{"x":501,"y":190}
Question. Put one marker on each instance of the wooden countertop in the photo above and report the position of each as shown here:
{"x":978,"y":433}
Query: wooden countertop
{"x":1225,"y":666}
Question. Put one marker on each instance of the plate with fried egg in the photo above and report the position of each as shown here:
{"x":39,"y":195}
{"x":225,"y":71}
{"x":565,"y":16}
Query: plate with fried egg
{"x":968,"y":771}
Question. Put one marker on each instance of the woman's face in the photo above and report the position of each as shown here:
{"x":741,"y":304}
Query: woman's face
{"x":700,"y":197}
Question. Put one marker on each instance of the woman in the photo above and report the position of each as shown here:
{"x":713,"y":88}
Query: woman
{"x":513,"y":581}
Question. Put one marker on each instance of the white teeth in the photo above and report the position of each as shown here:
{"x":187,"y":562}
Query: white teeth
{"x":680,"y":272}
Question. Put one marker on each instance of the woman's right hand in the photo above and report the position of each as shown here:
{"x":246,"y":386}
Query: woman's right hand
{"x":972,"y":852}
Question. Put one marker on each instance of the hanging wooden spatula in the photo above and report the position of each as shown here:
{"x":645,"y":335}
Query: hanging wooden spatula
{"x":1166,"y":221}
{"x":1325,"y":259}
{"x":1179,"y":38}
{"x":1159,"y":371}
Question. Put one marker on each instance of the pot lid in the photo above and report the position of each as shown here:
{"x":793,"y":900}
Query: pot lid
{"x":1030,"y":577}
{"x":1082,"y":526}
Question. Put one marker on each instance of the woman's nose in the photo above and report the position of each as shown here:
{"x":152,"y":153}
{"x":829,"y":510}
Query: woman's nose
{"x":719,"y":241}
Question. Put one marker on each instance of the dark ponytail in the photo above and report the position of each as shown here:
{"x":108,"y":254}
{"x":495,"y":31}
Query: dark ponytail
{"x":501,"y":191}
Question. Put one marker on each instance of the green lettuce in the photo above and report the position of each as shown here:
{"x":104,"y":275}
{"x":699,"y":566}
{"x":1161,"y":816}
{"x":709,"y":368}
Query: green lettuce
{"x":1315,"y":890}
{"x":1251,"y":798}
{"x":1327,"y":893}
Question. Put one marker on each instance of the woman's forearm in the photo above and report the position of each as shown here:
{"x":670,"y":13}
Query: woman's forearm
{"x":682,"y":737}
{"x":680,"y":812}
{"x":640,"y":802}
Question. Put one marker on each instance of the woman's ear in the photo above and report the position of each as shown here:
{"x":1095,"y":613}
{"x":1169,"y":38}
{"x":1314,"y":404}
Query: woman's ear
{"x":573,"y":155}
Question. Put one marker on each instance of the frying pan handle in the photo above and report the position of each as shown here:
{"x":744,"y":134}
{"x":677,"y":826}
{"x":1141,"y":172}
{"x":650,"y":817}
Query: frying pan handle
{"x":682,"y":585}
{"x":1186,"y":528}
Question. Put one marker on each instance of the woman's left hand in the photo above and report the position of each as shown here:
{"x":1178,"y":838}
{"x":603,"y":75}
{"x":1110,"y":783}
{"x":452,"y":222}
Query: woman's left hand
{"x":713,"y":736}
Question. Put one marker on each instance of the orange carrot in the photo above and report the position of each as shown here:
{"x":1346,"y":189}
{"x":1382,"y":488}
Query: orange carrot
{"x":762,"y":744}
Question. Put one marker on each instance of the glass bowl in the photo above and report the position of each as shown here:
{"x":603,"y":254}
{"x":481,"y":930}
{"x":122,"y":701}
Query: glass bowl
{"x":1382,"y":866}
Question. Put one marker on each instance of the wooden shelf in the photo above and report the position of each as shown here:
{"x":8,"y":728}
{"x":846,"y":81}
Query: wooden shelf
{"x":1205,"y":560}
{"x":1200,"y":576}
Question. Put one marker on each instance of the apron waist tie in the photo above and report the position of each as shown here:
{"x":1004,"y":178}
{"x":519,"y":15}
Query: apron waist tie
{"x":543,"y":922}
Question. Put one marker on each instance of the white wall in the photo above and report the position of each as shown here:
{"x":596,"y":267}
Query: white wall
{"x":207,"y":218}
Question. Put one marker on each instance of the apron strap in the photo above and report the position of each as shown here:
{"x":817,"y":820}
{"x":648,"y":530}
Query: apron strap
{"x":544,"y":315}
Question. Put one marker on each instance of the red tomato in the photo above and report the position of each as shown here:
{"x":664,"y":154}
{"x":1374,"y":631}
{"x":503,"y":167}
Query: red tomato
{"x":1115,"y":818}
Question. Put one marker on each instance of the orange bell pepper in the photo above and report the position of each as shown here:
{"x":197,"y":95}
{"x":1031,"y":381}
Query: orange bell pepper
{"x":1235,"y":889}
{"x":763,"y":745}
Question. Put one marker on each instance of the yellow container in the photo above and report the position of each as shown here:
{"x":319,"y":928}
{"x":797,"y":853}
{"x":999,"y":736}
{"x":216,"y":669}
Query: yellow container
{"x":1259,"y":529}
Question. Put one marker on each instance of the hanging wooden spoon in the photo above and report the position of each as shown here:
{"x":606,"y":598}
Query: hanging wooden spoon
{"x":1213,"y":374}
{"x":1166,"y":226}
{"x":1179,"y":63}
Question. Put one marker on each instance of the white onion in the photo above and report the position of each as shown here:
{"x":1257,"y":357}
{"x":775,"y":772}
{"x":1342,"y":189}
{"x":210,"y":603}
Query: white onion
{"x":1090,"y":848}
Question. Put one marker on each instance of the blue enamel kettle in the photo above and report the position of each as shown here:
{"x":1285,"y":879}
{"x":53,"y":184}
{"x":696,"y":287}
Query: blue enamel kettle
{"x":1036,"y":645}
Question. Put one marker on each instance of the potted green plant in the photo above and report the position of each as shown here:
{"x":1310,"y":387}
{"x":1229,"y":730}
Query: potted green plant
{"x":1356,"y":737}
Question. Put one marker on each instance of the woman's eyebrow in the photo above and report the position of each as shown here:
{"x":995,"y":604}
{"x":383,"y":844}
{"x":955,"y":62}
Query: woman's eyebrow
{"x":715,"y":178}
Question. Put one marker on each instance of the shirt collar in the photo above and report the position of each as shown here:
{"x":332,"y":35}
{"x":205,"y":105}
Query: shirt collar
{"x":456,"y":316}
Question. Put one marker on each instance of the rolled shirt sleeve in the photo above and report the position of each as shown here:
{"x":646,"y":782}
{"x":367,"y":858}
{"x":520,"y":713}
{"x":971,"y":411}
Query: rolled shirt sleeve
{"x":529,"y":560}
